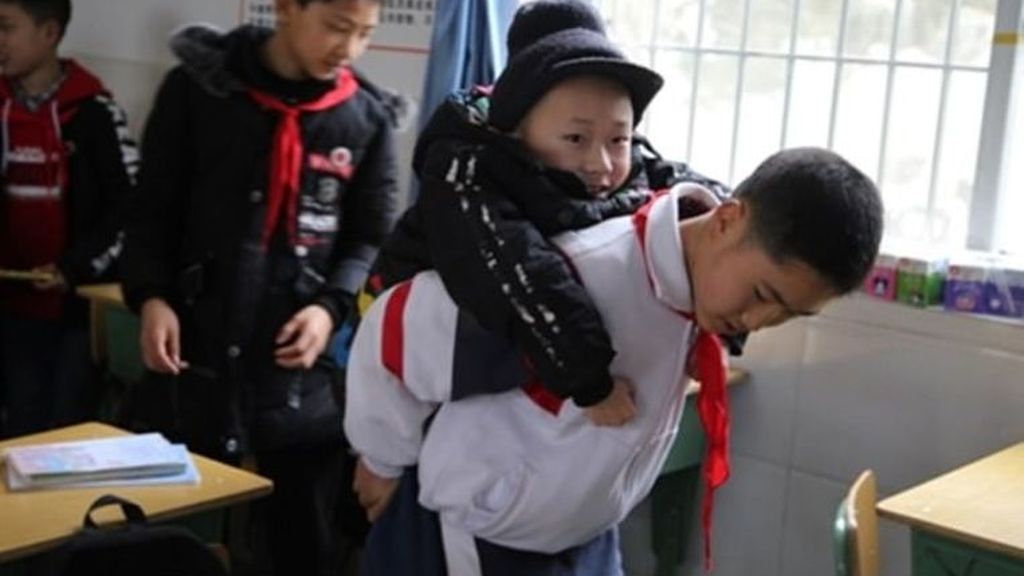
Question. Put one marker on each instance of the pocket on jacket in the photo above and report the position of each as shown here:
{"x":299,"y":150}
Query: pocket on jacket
{"x":491,"y":503}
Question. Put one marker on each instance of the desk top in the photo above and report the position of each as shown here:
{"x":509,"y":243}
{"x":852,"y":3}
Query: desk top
{"x":36,"y":520}
{"x":102,"y":293}
{"x":981,"y":503}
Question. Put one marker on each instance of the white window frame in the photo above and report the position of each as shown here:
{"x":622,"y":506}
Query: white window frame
{"x":992,"y":158}
{"x":990,"y":177}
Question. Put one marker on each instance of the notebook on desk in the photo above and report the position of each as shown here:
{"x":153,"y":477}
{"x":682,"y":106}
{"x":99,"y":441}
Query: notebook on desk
{"x":124,"y":460}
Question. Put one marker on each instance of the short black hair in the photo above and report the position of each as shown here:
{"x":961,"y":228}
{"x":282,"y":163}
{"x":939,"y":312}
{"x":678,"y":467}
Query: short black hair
{"x":812,"y":206}
{"x":43,"y":10}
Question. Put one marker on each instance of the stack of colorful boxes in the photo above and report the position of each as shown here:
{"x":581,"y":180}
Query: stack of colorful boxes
{"x":970,"y":282}
{"x":984,"y":284}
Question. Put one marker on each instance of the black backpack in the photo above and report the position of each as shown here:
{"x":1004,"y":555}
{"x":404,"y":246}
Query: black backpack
{"x":134,"y":548}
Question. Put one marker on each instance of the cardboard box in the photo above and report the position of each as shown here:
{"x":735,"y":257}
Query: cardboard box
{"x":920,"y":280}
{"x":881,"y":281}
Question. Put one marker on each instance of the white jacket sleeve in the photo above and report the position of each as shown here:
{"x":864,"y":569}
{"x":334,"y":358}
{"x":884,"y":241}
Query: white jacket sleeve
{"x":387,"y":403}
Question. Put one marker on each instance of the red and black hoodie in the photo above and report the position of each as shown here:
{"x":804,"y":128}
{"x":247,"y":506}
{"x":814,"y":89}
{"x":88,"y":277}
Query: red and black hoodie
{"x":68,"y":168}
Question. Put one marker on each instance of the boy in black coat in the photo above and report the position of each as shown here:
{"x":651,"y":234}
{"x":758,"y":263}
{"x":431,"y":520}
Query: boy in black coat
{"x":268,"y":183}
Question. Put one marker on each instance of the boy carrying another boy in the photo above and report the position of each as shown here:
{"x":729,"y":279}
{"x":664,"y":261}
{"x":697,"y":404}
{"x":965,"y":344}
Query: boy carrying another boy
{"x":512,"y":484}
{"x":549,"y":149}
{"x":68,"y":166}
{"x":268,"y":183}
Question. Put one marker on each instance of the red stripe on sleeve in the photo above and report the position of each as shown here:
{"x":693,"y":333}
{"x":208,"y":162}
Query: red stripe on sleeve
{"x":392,"y":348}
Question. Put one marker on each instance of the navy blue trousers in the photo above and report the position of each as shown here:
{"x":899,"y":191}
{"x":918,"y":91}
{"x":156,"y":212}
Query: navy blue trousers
{"x":406,"y":541}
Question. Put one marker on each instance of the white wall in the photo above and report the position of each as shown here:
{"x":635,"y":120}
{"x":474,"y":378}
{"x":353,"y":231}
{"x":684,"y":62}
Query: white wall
{"x":125,"y":42}
{"x":908,"y":393}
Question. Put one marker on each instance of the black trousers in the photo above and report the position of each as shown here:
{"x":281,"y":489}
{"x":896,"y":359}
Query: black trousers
{"x":311,"y":514}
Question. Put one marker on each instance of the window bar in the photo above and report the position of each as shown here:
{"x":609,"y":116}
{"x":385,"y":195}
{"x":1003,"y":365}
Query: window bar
{"x":844,"y":16}
{"x":652,"y":51}
{"x":818,"y":58}
{"x":940,"y":125}
{"x":654,"y":31}
{"x":741,"y":68}
{"x":696,"y":79}
{"x":790,"y":63}
{"x":982,"y":220}
{"x":890,"y":78}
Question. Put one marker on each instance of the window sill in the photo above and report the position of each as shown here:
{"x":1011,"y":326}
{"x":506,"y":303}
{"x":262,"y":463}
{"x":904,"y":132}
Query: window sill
{"x":1006,"y":334}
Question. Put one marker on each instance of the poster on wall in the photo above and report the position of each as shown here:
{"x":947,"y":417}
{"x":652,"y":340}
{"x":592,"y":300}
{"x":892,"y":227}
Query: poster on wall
{"x":404,"y":24}
{"x":257,"y":12}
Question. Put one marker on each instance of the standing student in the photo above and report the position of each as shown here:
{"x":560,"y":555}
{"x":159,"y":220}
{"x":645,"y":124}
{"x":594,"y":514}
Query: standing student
{"x":268,"y":182}
{"x":67,"y":166}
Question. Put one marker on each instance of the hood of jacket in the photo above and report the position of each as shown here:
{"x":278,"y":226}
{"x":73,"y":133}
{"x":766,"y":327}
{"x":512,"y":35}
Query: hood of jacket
{"x":205,"y":52}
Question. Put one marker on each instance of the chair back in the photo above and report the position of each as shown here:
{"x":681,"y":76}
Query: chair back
{"x":855,"y":531}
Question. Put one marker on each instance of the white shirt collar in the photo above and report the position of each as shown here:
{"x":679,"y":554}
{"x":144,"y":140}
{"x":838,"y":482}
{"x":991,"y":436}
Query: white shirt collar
{"x":666,"y":264}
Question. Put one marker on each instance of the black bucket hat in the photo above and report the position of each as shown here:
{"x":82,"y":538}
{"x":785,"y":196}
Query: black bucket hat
{"x":553,"y":56}
{"x":538,"y":18}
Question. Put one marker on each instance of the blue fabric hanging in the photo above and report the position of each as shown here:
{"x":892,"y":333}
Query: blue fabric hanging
{"x":467,"y":48}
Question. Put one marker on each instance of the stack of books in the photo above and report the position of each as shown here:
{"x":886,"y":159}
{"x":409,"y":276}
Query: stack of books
{"x":120,"y":460}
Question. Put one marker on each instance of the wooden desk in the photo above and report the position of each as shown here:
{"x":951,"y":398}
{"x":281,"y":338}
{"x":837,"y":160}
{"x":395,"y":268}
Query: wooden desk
{"x":108,"y":294}
{"x":968,"y":521}
{"x":38,"y":520}
{"x":101,"y":297}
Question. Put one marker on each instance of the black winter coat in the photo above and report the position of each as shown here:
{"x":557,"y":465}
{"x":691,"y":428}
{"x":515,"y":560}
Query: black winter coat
{"x":195,"y":235}
{"x":485,"y":210}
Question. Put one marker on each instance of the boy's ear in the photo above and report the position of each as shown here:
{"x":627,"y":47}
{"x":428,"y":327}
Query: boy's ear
{"x":51,"y":31}
{"x":282,"y":10}
{"x":729,"y":219}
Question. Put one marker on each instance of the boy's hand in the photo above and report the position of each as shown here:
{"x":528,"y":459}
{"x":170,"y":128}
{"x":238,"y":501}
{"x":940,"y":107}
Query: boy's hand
{"x":303,"y":337}
{"x":160,"y":337}
{"x":55,"y":281}
{"x":374,"y":492}
{"x":615,"y":410}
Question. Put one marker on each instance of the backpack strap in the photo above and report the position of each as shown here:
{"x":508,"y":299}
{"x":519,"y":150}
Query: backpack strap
{"x":133,"y":513}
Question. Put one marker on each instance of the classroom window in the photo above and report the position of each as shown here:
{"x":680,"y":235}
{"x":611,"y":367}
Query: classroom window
{"x":917,"y":93}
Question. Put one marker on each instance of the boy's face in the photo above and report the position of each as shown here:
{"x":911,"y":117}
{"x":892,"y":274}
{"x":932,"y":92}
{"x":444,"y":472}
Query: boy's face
{"x":738,"y":288}
{"x":325,"y":36}
{"x":24,"y":44}
{"x":583,"y":125}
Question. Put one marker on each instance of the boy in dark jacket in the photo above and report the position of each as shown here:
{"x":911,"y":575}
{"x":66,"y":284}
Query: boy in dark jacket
{"x":268,"y":183}
{"x":491,"y":192}
{"x":68,"y":167}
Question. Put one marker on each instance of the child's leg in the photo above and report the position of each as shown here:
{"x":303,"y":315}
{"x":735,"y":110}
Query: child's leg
{"x":406,"y":539}
{"x":30,"y":348}
{"x":303,"y":532}
{"x":74,"y":379}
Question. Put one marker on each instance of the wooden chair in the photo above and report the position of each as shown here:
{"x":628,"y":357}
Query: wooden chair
{"x":855,"y":531}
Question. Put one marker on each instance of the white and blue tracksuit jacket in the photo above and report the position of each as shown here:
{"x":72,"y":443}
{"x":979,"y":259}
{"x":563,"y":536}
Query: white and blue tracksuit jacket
{"x":521,"y":468}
